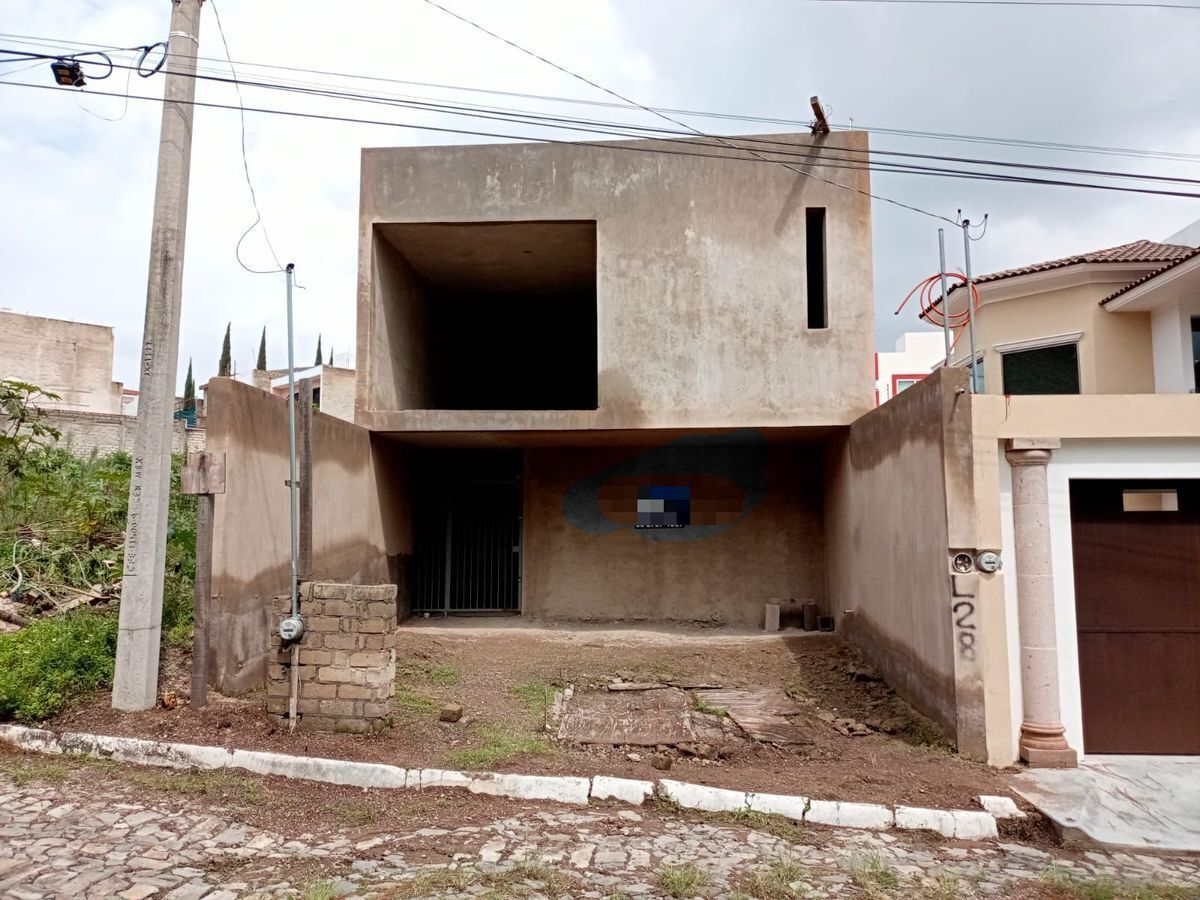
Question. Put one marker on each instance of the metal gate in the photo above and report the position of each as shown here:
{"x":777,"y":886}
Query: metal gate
{"x":1137,"y":598}
{"x":467,"y":545}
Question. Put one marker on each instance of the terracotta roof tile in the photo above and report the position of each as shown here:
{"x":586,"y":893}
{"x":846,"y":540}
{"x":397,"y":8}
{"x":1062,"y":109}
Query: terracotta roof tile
{"x":1133,"y":252}
{"x":1195,"y":251}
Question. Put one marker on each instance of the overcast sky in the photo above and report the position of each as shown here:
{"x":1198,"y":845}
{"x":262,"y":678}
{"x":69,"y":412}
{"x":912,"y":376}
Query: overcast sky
{"x":77,"y":190}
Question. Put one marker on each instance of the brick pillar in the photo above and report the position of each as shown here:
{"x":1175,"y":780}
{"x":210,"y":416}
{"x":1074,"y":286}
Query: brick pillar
{"x":1043,"y":742}
{"x":347,"y":658}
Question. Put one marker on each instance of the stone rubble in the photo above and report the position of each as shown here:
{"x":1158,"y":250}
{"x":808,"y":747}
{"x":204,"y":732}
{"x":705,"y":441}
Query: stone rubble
{"x":101,"y":845}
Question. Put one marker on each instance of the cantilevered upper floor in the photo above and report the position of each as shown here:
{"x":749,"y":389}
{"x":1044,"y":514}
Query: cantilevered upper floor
{"x":628,"y":285}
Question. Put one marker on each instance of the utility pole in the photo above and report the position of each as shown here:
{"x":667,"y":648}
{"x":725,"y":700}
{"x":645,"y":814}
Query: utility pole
{"x":135,"y":685}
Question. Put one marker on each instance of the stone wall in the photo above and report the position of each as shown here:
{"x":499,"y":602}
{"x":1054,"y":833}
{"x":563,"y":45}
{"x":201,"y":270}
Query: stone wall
{"x":347,"y":660}
{"x":84,"y":433}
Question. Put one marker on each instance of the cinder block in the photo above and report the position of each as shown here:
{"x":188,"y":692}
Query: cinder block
{"x":323,"y":623}
{"x":375,"y":677}
{"x":342,"y":658}
{"x":278,"y":689}
{"x":338,"y":675}
{"x":377,"y":708}
{"x":319,"y":691}
{"x":315,"y":657}
{"x":356,"y":692}
{"x":370,"y":659}
{"x":372,"y":626}
{"x":339,"y":707}
{"x":305,"y":590}
{"x":309,"y":705}
{"x":277,"y":705}
{"x":341,"y":641}
{"x":276,"y":672}
{"x":340,"y":608}
{"x":307,"y":673}
{"x":318,"y":723}
{"x":382,"y":609}
{"x":375,"y":592}
{"x":323,"y":590}
{"x":373,"y":641}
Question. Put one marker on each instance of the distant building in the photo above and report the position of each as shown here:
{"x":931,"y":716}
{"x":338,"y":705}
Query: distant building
{"x":71,"y":359}
{"x":915,"y":356}
{"x":333,"y":388}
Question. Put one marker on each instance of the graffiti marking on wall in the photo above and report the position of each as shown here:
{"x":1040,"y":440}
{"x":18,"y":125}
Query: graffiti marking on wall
{"x":963,"y":609}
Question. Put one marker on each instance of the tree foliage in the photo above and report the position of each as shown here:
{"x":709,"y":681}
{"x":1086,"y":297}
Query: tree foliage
{"x":261,"y":363}
{"x":319,"y":360}
{"x":226,"y":364}
{"x":23,"y":423}
{"x":189,"y":390}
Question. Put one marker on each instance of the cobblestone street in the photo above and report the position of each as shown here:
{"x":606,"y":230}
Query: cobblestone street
{"x":104,"y":840}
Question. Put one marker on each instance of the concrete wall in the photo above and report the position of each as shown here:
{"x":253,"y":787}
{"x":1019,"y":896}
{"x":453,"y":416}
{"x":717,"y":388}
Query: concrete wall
{"x":582,"y":562}
{"x":1115,"y":350}
{"x":352,"y":537}
{"x":900,"y":499}
{"x":85,"y":433}
{"x":701,"y":300}
{"x":337,"y":392}
{"x":71,"y":359}
{"x":1174,"y":359}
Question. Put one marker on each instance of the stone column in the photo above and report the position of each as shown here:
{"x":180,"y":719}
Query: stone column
{"x":1042,"y":742}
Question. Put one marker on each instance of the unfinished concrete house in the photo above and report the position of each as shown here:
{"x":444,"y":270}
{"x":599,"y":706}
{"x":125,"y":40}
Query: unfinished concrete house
{"x":594,"y":383}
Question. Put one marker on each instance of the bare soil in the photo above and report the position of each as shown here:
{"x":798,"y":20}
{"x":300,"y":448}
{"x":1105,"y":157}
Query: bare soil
{"x":503,"y":676}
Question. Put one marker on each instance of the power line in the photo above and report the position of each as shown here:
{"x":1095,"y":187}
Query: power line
{"x":793,"y":150}
{"x":661,"y":115}
{"x":1100,"y":4}
{"x":258,"y":217}
{"x":827,"y":156}
{"x":633,"y":147}
{"x":1054,"y":146}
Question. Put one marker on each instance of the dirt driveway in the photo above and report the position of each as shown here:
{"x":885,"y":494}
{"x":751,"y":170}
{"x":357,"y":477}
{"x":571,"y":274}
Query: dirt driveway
{"x":506,"y":677}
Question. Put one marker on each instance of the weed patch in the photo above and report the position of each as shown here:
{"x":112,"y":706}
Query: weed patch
{"x":686,"y":880}
{"x":1104,"y":887}
{"x":536,"y":695}
{"x":201,"y":783}
{"x":356,"y":814}
{"x":873,"y":874}
{"x":322,"y":890}
{"x":498,"y":745}
{"x":50,"y":662}
{"x":775,"y":882}
{"x":442,"y":675}
{"x":22,"y":771}
{"x":408,"y":699}
{"x":703,"y":707}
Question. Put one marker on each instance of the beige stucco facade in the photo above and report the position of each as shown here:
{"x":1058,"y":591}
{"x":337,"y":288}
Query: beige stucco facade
{"x":71,"y":359}
{"x":1025,"y":312}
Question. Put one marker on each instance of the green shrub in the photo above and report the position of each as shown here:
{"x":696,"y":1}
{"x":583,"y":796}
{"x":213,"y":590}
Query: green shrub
{"x":62,"y":521}
{"x":51,"y":661}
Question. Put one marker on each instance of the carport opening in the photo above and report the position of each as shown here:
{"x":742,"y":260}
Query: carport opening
{"x":497,"y":315}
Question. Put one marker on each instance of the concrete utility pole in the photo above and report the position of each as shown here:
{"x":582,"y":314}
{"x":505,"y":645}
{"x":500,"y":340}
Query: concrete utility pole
{"x":135,"y":685}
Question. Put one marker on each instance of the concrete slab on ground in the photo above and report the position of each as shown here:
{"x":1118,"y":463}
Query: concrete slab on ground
{"x":1147,"y":802}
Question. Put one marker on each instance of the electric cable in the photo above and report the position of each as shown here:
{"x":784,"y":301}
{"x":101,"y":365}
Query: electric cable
{"x":661,"y":115}
{"x":258,"y":217}
{"x":767,"y":120}
{"x":885,"y":167}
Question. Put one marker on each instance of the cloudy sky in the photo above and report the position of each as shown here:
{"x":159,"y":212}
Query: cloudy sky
{"x":77,"y":188}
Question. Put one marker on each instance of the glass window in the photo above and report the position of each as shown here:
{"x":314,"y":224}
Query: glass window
{"x":1046,"y":370}
{"x":903,"y":384}
{"x":1196,"y":354}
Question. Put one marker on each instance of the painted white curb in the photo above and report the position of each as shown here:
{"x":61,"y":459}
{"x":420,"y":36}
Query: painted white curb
{"x":963,"y":824}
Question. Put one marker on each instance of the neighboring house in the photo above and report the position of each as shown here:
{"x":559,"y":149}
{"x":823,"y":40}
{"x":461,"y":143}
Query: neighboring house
{"x":915,"y":356}
{"x":333,"y":386}
{"x":1124,"y":320}
{"x":71,"y":359}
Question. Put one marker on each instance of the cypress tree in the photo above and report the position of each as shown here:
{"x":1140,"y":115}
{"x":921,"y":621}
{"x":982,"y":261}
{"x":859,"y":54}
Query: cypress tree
{"x":319,"y":359}
{"x":330,"y":363}
{"x":226,"y":363}
{"x":261,"y":365}
{"x":189,"y":390}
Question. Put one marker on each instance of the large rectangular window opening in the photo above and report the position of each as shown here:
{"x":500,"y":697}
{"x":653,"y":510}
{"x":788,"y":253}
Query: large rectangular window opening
{"x":1043,"y":370}
{"x":489,"y":315}
{"x":814,"y":256}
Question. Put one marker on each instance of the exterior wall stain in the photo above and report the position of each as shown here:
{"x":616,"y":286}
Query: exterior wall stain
{"x":737,"y":457}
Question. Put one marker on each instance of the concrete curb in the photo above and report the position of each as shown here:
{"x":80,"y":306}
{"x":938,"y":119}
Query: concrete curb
{"x":962,"y":824}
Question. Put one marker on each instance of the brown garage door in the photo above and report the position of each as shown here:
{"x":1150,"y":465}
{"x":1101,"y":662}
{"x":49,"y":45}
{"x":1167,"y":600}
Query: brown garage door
{"x":1137,"y":600}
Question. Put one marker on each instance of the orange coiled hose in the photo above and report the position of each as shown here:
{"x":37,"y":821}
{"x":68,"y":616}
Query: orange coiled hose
{"x":935,"y":313}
